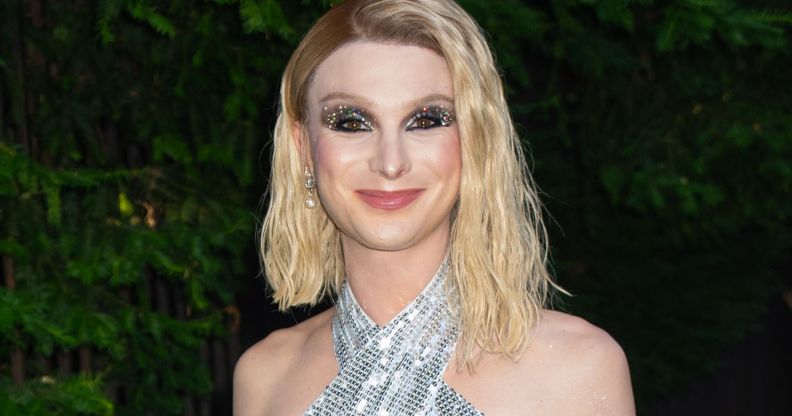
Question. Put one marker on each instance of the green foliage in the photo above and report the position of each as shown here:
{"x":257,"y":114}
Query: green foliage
{"x":50,"y":396}
{"x":128,"y":173}
{"x":662,"y":138}
{"x":70,"y":274}
{"x":130,"y":161}
{"x":263,"y":16}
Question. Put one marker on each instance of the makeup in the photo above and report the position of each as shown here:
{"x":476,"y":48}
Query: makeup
{"x":347,"y":119}
{"x":430,"y":116}
{"x":388,"y":200}
{"x":352,"y":119}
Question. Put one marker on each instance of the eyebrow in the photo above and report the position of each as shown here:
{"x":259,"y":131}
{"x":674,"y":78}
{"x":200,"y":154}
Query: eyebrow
{"x":362,"y":100}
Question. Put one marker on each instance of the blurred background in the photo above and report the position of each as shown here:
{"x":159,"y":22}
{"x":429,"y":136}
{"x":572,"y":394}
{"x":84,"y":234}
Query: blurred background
{"x":134,"y":154}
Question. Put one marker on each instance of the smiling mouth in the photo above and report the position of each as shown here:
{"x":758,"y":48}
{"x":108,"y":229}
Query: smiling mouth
{"x":388,"y":200}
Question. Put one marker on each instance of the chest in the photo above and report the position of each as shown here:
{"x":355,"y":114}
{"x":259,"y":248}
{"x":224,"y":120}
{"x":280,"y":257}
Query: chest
{"x":528,"y":386}
{"x":494,"y":390}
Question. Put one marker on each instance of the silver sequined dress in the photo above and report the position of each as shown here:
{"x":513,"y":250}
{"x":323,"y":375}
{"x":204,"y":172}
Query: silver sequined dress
{"x":397,"y":369}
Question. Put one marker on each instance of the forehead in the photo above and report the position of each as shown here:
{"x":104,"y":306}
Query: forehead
{"x":383,"y":74}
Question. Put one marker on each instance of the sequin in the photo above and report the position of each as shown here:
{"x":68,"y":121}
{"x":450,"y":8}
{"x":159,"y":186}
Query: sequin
{"x":398,"y":369}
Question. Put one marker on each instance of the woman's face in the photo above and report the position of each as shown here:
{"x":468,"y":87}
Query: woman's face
{"x":384,"y":143}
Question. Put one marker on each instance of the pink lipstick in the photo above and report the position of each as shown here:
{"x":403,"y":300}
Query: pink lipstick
{"x":388,"y":200}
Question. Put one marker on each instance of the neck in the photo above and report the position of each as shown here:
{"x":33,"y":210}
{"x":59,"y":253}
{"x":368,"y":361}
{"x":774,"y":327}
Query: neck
{"x":385,"y":282}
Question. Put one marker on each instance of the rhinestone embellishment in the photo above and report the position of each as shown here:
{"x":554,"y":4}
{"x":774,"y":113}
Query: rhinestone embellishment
{"x":398,"y":369}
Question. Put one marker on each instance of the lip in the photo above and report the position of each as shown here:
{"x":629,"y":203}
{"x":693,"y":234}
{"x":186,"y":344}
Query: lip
{"x":389,"y":200}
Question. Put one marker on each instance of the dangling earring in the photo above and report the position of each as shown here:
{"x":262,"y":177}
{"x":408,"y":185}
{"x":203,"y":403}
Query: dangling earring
{"x":310,"y":185}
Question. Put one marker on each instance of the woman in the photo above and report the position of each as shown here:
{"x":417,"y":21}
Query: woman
{"x":398,"y":186}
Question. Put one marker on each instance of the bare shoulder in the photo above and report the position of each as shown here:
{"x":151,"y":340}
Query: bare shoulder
{"x":570,"y":367}
{"x":576,"y":335}
{"x":591,"y":370}
{"x":262,"y":367}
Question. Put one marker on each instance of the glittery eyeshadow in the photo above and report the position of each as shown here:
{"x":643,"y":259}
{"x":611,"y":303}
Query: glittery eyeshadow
{"x":352,"y":119}
{"x":335,"y":117}
{"x":431,"y":116}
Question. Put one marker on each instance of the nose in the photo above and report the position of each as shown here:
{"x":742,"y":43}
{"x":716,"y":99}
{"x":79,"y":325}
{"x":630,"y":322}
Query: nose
{"x":391,"y":158}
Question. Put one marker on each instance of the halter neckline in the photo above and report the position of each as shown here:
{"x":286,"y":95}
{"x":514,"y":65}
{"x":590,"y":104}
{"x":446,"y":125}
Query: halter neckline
{"x":396,"y":369}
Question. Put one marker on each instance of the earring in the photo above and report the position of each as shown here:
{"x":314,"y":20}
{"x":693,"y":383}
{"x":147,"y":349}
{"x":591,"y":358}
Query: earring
{"x":310,"y":185}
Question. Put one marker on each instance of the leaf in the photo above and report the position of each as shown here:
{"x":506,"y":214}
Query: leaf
{"x":195,"y":291}
{"x":125,"y":205}
{"x":12,"y":248}
{"x":150,"y":15}
{"x":666,"y":39}
{"x":109,"y":11}
{"x":263,"y":16}
{"x":613,"y":11}
{"x":52,"y":192}
{"x":613,"y":179}
{"x":773,"y":16}
{"x":171,"y":146}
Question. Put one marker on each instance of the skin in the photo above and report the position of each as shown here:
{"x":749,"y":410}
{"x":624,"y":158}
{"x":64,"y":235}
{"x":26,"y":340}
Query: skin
{"x":570,"y":368}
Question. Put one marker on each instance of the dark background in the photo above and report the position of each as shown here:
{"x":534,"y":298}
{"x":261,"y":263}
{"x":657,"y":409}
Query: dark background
{"x":134,"y":153}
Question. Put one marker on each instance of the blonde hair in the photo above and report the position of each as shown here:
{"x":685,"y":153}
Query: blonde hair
{"x":497,"y":246}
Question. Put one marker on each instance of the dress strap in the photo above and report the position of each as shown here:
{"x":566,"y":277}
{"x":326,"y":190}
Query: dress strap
{"x":397,"y":369}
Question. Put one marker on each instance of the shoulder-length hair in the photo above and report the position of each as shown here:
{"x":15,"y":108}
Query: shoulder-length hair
{"x":497,"y":249}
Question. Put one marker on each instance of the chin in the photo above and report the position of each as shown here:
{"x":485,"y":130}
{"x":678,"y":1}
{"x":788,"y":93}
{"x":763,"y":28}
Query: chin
{"x":389,"y":240}
{"x":395,"y":235}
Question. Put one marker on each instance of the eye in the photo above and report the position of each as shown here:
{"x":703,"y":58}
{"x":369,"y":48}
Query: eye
{"x":430,"y":117}
{"x":346,"y":119}
{"x":423,"y":122}
{"x":351,"y":125}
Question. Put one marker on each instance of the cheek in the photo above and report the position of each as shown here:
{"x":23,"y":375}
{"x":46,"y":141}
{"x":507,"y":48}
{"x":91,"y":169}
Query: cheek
{"x":326,"y":154}
{"x":334,"y":159}
{"x":446,"y":158}
{"x":452,"y":156}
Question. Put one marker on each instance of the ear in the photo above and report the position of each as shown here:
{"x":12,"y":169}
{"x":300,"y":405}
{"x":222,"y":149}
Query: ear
{"x":301,"y":143}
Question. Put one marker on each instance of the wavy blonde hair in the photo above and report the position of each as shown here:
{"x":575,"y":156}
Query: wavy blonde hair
{"x":497,"y":246}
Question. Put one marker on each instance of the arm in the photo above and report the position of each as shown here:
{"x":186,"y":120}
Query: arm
{"x":248,"y":393}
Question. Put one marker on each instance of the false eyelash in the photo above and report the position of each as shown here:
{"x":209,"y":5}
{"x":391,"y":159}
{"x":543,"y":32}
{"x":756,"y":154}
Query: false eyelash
{"x":335,"y":118}
{"x":438,"y":115}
